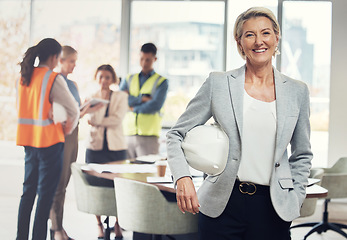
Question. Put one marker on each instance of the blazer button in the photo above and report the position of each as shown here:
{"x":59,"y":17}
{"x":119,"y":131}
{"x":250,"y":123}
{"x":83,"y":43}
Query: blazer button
{"x":277,"y":164}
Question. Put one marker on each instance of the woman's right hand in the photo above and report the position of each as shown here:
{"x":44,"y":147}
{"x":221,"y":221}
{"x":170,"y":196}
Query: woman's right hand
{"x":187,"y":200}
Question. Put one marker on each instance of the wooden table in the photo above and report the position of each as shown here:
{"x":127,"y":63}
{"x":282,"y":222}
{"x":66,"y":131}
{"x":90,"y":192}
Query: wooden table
{"x":142,"y":177}
{"x":313,"y":191}
{"x":316,"y":191}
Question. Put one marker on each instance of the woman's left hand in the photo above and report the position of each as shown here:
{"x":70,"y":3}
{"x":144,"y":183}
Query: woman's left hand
{"x":187,"y":199}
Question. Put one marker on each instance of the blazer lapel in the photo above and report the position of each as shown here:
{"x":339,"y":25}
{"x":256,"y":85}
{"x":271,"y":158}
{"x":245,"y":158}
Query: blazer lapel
{"x":236,"y":89}
{"x":281,"y":105}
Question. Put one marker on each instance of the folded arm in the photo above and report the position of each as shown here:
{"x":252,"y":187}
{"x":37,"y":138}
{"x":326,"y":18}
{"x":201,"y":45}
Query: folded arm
{"x":61,"y":94}
{"x":132,"y":101}
{"x":155,"y":103}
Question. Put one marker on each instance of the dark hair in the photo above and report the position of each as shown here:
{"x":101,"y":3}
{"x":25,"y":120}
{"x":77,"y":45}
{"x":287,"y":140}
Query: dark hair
{"x":107,"y":67}
{"x":149,"y":48}
{"x":43,"y":50}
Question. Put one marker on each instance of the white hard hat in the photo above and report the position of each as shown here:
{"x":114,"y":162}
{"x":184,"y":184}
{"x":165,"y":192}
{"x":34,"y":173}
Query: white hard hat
{"x":59,"y":113}
{"x":206,"y":148}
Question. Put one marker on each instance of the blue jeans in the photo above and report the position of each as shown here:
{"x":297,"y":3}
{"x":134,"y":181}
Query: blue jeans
{"x":42,"y":173}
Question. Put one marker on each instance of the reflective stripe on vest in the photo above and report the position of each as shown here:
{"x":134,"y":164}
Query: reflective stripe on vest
{"x":143,"y":124}
{"x":40,"y":121}
{"x":37,"y":122}
{"x":34,"y":127}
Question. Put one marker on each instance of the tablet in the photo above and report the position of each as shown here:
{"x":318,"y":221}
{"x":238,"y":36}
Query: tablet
{"x":94,"y":101}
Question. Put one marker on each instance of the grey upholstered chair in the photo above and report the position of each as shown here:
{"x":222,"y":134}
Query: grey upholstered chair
{"x":91,"y":199}
{"x":142,"y":208}
{"x":335,"y":180}
{"x":309,"y":206}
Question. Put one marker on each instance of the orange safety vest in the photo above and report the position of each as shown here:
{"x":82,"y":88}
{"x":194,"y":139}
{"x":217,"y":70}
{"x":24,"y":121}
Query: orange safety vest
{"x":34,"y":128}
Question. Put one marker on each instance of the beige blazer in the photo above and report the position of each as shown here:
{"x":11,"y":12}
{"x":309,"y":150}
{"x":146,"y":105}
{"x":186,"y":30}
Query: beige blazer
{"x":118,"y":107}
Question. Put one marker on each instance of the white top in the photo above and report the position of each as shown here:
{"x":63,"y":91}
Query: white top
{"x":258,"y":140}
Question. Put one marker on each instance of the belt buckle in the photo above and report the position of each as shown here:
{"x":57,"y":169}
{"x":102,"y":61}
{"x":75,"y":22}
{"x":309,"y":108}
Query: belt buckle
{"x":247,"y":185}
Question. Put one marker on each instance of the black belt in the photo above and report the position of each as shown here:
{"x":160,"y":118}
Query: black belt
{"x":251,"y":188}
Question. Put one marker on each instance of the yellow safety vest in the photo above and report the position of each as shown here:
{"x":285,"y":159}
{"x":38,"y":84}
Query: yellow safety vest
{"x":143,"y":124}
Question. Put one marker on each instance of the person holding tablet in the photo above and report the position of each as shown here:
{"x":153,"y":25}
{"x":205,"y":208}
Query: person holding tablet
{"x":106,"y":142}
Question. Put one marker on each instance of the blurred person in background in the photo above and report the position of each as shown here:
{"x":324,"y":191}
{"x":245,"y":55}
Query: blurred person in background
{"x":106,"y":141}
{"x":43,"y":140}
{"x":67,"y":64}
{"x":147,"y":93}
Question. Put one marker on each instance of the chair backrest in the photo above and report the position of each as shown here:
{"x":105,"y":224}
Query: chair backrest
{"x":335,"y":179}
{"x":316,"y":173}
{"x":142,"y":208}
{"x":339,"y":167}
{"x":309,"y":205}
{"x":96,"y":200}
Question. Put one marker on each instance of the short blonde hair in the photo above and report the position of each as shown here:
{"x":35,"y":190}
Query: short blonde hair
{"x":67,"y":51}
{"x":253,"y":13}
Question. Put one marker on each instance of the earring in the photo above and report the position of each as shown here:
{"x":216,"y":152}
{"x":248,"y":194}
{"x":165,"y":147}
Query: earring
{"x":277,"y":51}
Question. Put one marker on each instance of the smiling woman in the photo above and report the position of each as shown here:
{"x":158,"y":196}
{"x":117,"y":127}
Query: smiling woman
{"x":267,"y":25}
{"x":257,"y":35}
{"x":259,"y":41}
{"x":250,"y":103}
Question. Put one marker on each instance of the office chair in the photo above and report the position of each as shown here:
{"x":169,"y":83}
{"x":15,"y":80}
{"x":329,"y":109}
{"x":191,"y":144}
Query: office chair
{"x":335,"y":180}
{"x":309,"y":205}
{"x":91,"y":199}
{"x":142,"y":208}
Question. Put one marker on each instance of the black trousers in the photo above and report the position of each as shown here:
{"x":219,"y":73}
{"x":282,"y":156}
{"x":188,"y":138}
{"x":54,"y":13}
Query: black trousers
{"x":246,"y":217}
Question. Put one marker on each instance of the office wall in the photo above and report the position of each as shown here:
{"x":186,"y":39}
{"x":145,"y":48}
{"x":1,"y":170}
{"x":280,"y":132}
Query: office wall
{"x":338,"y":84}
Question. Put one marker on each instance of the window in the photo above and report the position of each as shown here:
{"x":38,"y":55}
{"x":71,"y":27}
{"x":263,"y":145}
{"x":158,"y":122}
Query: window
{"x":306,"y":50}
{"x":92,"y":27}
{"x":14,"y":40}
{"x":189,"y":39}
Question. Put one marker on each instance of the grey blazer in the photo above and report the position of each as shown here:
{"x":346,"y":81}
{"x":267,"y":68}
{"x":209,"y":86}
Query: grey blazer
{"x":221,"y":97}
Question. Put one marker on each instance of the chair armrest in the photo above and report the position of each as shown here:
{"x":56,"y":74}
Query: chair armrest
{"x":336,"y":183}
{"x":316,"y":173}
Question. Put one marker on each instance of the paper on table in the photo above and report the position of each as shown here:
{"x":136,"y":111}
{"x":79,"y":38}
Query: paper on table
{"x":86,"y":167}
{"x":123,"y":168}
{"x":151,"y":158}
{"x":312,"y":181}
{"x":159,"y":180}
